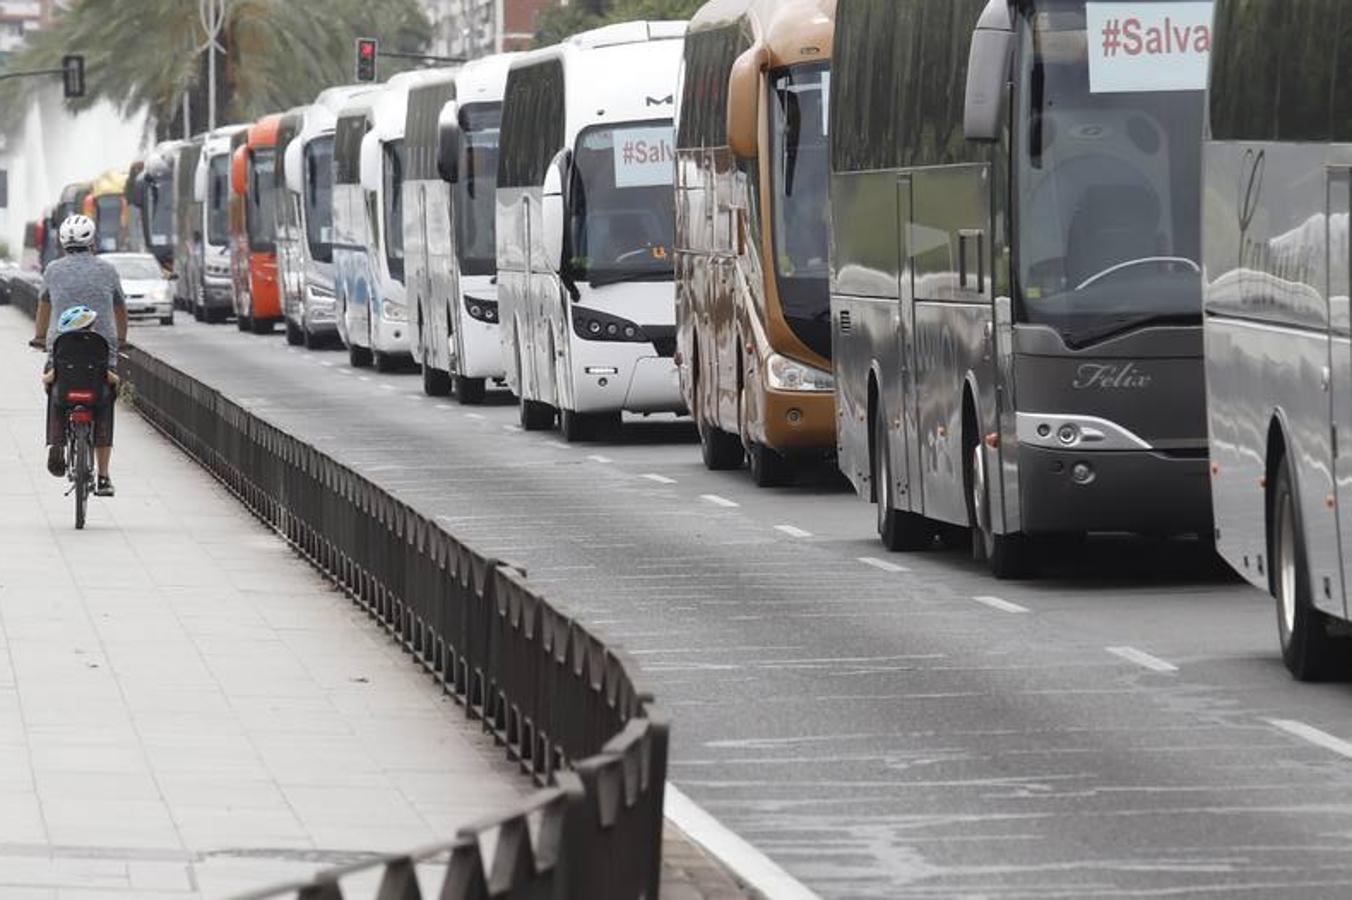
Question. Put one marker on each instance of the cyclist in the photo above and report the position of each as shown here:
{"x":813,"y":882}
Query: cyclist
{"x":81,"y":279}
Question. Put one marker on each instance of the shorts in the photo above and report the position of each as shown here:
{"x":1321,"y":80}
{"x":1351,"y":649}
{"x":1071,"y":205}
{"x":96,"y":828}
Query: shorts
{"x":103,"y":418}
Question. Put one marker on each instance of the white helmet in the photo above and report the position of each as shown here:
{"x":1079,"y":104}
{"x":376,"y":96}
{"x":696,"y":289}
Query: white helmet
{"x":77,"y":231}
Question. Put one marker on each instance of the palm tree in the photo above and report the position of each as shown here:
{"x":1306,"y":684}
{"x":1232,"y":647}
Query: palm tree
{"x":278,"y":54}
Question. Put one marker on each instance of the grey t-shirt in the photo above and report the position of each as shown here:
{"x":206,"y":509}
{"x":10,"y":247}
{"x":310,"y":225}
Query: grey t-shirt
{"x":82,"y":279}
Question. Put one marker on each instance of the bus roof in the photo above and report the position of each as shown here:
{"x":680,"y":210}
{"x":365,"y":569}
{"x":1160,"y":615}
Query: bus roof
{"x":484,"y":80}
{"x":263,"y":133}
{"x":113,"y":181}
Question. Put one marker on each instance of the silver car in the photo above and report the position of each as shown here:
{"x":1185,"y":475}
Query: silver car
{"x":149,"y":294}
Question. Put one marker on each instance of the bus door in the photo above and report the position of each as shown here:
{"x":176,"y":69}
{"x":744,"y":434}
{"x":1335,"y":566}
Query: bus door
{"x":899,"y":406}
{"x":1338,"y":376}
{"x":951,"y":268}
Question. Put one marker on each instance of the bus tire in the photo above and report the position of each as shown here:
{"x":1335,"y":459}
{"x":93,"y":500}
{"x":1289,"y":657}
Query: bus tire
{"x":1009,"y":556}
{"x":536,"y":416}
{"x":768,"y":467}
{"x":294,"y":336}
{"x":576,"y":426}
{"x":358,"y":357}
{"x":384,"y":362}
{"x":897,"y":529}
{"x":242,"y":323}
{"x":1307,"y":648}
{"x":436,"y":383}
{"x":721,"y":450}
{"x":261,"y":326}
{"x":469,"y":391}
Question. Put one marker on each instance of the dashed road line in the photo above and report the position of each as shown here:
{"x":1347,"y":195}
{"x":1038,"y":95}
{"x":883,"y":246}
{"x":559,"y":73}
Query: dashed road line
{"x":511,"y":428}
{"x":1313,"y":735}
{"x":719,"y":501}
{"x":443,"y":406}
{"x":1141,"y":658}
{"x":387,"y":387}
{"x":562,"y":445}
{"x":882,"y":564}
{"x":469,"y":415}
{"x":596,"y":457}
{"x":660,"y":479}
{"x":1001,"y":604}
{"x":793,"y":531}
{"x":363,"y":377}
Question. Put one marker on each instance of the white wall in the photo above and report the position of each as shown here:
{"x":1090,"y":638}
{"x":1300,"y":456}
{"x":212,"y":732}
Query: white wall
{"x":57,"y":148}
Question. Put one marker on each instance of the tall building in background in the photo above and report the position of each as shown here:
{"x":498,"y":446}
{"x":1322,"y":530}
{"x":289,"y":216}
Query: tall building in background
{"x":473,"y":28}
{"x":19,"y":19}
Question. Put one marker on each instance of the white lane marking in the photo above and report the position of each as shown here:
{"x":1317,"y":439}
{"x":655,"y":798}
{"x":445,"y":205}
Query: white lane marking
{"x":562,"y":445}
{"x":344,"y":371}
{"x":363,"y":378}
{"x":1002,"y":605}
{"x":1314,"y":736}
{"x":511,"y":428}
{"x":1141,"y":658}
{"x":793,"y":531}
{"x":660,"y":479}
{"x":387,"y":387}
{"x":719,"y":501}
{"x":882,"y":564}
{"x":596,"y":457}
{"x":443,"y":406}
{"x":325,"y":363}
{"x":748,"y":863}
{"x":472,"y":415}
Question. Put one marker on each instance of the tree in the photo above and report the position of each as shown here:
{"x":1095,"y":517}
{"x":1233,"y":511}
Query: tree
{"x":278,"y":54}
{"x":558,"y":22}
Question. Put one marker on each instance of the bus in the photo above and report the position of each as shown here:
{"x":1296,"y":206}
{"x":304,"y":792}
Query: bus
{"x":1015,"y":279}
{"x":449,"y":254}
{"x":305,"y":218}
{"x":106,"y":203}
{"x":585,"y":213}
{"x":753,"y":334}
{"x":253,"y":226}
{"x":153,"y":195}
{"x":212,"y":289}
{"x":71,"y":201}
{"x":1277,"y":196}
{"x":187,"y":235}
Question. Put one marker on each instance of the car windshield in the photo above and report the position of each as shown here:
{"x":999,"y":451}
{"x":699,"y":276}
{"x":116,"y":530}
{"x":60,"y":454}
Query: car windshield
{"x":261,"y":214}
{"x":108,"y":220}
{"x":319,"y":198}
{"x":159,"y":203}
{"x":136,"y":268}
{"x":1108,"y":175}
{"x":474,"y":209}
{"x":394,"y":208}
{"x":798,"y":115}
{"x":622,"y":204}
{"x":218,"y":193}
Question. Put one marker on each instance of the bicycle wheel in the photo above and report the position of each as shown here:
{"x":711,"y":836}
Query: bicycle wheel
{"x":83,"y":474}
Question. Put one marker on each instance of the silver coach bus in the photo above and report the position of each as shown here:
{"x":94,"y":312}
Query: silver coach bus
{"x":1015,"y":288}
{"x":1277,"y":196}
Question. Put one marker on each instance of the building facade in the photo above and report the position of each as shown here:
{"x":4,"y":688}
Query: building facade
{"x":474,"y":28}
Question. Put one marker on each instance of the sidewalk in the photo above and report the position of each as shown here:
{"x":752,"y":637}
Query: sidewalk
{"x":186,"y":709}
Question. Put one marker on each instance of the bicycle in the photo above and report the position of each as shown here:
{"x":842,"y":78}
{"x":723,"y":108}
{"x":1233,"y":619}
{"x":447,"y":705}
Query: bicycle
{"x":80,"y":449}
{"x":80,"y":361}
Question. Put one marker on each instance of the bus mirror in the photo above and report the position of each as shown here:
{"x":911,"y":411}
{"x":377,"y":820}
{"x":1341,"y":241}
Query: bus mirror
{"x":987,"y":71}
{"x":744,"y":91}
{"x":292,"y":161}
{"x":553,"y":209}
{"x":370,"y":162}
{"x":238,"y":171}
{"x":449,"y":147}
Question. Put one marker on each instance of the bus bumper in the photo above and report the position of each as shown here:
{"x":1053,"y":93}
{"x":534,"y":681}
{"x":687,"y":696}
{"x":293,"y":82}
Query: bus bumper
{"x":800,"y":423}
{"x":1130,"y":491}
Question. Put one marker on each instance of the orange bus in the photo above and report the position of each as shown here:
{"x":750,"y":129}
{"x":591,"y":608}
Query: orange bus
{"x":753,"y":306}
{"x":253,"y":226}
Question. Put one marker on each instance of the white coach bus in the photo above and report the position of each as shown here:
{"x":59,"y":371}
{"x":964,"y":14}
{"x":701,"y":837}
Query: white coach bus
{"x":585,"y":228}
{"x":449,"y":255}
{"x":1278,"y":324}
{"x":213,"y":297}
{"x":305,"y":223}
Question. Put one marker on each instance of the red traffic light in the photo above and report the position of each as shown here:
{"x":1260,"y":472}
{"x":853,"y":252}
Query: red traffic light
{"x":368,"y":48}
{"x":366,"y":59}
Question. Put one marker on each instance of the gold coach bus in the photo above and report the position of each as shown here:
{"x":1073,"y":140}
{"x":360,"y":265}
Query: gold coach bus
{"x":753,"y":308}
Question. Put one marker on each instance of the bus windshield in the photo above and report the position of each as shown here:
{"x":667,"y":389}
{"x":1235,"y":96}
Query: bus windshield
{"x":622,"y":203}
{"x":798,"y":165}
{"x":1107,"y":217}
{"x":262,"y":211}
{"x":394,"y":209}
{"x":474,"y":205}
{"x":218,"y":192}
{"x":108,"y":220}
{"x":319,"y":198}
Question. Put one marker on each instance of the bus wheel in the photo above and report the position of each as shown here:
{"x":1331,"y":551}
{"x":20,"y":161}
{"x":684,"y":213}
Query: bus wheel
{"x":768,"y":467}
{"x":242,"y":323}
{"x":1008,"y":555}
{"x":898,"y":530}
{"x":575,"y":426}
{"x":536,"y":416}
{"x":436,"y":383}
{"x":1307,"y":649}
{"x":294,"y":336}
{"x":721,"y":451}
{"x":384,"y":362}
{"x":358,"y":357}
{"x":261,"y":326}
{"x":469,"y":391}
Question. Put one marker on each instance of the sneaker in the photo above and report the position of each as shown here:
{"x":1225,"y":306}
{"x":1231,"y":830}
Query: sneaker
{"x":104,"y":487}
{"x":56,"y":461}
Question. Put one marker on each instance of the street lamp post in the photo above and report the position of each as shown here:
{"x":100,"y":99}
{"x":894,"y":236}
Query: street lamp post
{"x":212,"y":13}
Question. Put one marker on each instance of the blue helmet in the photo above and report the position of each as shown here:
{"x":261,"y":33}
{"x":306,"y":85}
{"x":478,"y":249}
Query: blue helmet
{"x":77,"y":318}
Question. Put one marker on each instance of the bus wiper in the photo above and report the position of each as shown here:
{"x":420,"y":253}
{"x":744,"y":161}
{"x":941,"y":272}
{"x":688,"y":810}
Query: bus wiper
{"x":604,"y":278}
{"x":1123,"y":324}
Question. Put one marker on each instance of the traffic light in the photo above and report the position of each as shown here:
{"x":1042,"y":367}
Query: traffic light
{"x":72,"y":76}
{"x":366,"y":59}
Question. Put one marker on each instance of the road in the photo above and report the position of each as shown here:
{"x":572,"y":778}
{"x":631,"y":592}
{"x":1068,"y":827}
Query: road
{"x":881,"y":725}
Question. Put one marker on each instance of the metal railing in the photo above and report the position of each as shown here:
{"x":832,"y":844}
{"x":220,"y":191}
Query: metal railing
{"x":566,"y":706}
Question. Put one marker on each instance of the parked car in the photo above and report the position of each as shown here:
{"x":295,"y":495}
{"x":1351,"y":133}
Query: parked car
{"x":149,"y":294}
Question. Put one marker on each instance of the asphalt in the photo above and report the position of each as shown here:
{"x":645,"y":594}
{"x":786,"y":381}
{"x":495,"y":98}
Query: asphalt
{"x":880,"y":725}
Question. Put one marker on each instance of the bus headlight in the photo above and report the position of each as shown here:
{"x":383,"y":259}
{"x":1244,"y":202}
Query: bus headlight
{"x":786,"y":375}
{"x":481,"y":309}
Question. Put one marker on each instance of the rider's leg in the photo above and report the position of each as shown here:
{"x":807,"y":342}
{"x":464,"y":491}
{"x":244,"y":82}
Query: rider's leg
{"x":103,"y":455}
